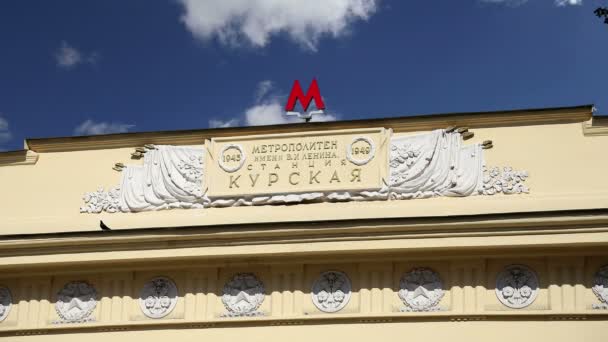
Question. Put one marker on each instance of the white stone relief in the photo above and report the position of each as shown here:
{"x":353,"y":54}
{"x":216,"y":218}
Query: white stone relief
{"x":368,"y":151}
{"x":507,"y":181}
{"x":243,"y":295}
{"x":434,"y":164}
{"x":100,"y":200}
{"x":76,"y":302}
{"x":331,"y":291}
{"x":421,"y":289}
{"x":600,"y":288}
{"x":170,"y":177}
{"x":420,"y":166}
{"x":517,"y":286}
{"x":6,"y":302}
{"x":158,"y":297}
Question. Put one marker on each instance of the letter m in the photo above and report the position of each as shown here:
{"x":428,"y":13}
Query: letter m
{"x":298,"y":95}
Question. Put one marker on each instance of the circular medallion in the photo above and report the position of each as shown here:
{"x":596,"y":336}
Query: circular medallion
{"x":6,"y":302}
{"x":158,"y":297}
{"x":361,"y":150}
{"x":517,"y":286}
{"x":76,"y":302}
{"x":600,"y":285}
{"x":232,"y":157}
{"x":243,"y":295}
{"x":421,"y":289}
{"x":331,"y":291}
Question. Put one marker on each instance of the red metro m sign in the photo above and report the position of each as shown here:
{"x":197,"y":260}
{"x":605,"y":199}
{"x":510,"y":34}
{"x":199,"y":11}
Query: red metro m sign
{"x":297,"y":95}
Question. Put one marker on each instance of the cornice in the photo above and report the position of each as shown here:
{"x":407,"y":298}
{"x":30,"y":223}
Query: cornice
{"x":20,"y":157}
{"x":517,"y":225}
{"x":597,"y":126}
{"x":336,"y":318}
{"x":398,"y":124}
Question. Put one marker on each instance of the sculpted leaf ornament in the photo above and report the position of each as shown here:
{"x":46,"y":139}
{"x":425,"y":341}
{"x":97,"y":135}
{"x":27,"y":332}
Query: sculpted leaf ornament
{"x":243,"y":295}
{"x":331,"y":291}
{"x":6,"y":302}
{"x":76,"y":302}
{"x":600,"y":287}
{"x":158,"y":297}
{"x":421,"y":289}
{"x":517,"y":286}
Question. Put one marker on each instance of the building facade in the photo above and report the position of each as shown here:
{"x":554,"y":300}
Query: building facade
{"x":482,"y":226}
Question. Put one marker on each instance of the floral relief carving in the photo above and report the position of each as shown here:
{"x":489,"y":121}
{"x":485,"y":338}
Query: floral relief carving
{"x":76,"y":302}
{"x":421,"y":289}
{"x":517,"y":286}
{"x":507,"y":181}
{"x":331,"y":291}
{"x":243,"y":295}
{"x":600,"y":287}
{"x":100,"y":200}
{"x":6,"y":302}
{"x":158,"y":297}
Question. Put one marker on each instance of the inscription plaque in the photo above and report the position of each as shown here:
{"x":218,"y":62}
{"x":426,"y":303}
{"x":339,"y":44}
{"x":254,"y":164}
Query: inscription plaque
{"x":329,"y":161}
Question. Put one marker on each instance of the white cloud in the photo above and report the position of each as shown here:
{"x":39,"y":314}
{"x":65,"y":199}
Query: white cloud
{"x":213,"y":123}
{"x":263,"y":89}
{"x":268,"y":109}
{"x":273,"y":113}
{"x":568,"y":2}
{"x":90,"y":127}
{"x":515,"y":3}
{"x":234,"y":22}
{"x":67,"y":56}
{"x":5,"y":133}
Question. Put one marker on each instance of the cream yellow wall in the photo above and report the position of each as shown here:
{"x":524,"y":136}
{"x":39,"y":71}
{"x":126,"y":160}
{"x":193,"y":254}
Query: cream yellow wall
{"x":560,"y":230}
{"x":440,"y":331}
{"x":565,"y":295}
{"x":567,"y":171}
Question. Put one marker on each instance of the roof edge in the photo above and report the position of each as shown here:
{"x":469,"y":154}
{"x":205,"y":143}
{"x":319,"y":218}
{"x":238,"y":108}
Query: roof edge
{"x":519,"y":117}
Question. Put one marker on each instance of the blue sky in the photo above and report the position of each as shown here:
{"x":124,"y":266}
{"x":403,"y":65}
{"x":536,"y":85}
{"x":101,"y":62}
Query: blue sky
{"x":86,"y":67}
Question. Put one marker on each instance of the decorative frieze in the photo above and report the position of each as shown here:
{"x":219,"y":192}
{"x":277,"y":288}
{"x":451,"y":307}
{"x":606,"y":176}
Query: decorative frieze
{"x":517,"y":286}
{"x":279,"y":169}
{"x":158,"y":297}
{"x":331,"y":291}
{"x":76,"y":302}
{"x":243,"y":295}
{"x":421,"y":289}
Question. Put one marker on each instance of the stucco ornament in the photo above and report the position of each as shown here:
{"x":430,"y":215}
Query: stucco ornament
{"x":506,"y":181}
{"x":361,"y":150}
{"x":600,"y":287}
{"x":76,"y":302}
{"x":517,"y":286}
{"x":6,"y":302}
{"x":243,"y":295}
{"x":100,"y":200}
{"x":430,"y":164}
{"x":232,"y":162}
{"x":158,"y":297}
{"x":331,"y":291}
{"x":421,"y":289}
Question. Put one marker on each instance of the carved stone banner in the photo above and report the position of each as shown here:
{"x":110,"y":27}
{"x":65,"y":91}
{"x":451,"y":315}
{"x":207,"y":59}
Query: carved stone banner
{"x":517,"y":286}
{"x":421,"y":289}
{"x":331,"y":291}
{"x":243,"y":295}
{"x":158,"y":297}
{"x":600,"y":287}
{"x":6,"y":302}
{"x":252,"y":166}
{"x":76,"y":302}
